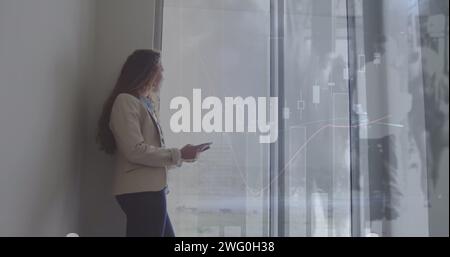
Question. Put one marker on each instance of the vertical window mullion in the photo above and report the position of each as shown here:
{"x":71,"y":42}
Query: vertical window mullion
{"x":277,"y":185}
{"x":158,"y":25}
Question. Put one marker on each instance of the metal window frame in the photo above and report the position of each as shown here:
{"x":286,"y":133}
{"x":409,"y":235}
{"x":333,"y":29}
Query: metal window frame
{"x":277,"y":149}
{"x":277,"y":210}
{"x":355,"y":194}
{"x":158,"y":24}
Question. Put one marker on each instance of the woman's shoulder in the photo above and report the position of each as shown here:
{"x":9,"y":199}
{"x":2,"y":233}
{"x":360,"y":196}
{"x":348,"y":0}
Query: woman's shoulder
{"x":126,"y":97}
{"x":127,"y":100}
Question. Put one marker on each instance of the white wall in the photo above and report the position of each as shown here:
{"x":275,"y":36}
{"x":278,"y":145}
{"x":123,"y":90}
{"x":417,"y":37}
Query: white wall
{"x":45,"y":56}
{"x":121,"y":27}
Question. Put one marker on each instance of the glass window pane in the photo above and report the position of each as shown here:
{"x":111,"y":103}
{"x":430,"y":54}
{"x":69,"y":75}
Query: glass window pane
{"x":402,"y":95}
{"x":364,"y":116}
{"x":222,"y":48}
{"x":317,"y":148}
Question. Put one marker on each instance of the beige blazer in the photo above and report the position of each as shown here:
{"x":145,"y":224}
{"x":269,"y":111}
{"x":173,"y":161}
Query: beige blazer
{"x":141,"y":161}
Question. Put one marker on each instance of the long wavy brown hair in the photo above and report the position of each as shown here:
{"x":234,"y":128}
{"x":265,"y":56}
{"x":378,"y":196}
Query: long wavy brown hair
{"x":137,"y":75}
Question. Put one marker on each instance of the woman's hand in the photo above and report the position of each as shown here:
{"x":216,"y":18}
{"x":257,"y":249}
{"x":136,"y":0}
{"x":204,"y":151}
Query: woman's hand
{"x":189,"y":152}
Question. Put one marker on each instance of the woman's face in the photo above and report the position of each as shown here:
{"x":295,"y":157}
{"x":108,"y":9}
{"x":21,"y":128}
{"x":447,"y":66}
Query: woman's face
{"x":156,"y":82}
{"x":158,"y":78}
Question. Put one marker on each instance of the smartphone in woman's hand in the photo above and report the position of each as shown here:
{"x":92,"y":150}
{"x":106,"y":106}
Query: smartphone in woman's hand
{"x":203,"y":147}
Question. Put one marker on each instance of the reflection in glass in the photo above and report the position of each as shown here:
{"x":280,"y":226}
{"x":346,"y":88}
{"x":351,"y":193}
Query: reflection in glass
{"x":316,"y":94}
{"x":404,"y":87}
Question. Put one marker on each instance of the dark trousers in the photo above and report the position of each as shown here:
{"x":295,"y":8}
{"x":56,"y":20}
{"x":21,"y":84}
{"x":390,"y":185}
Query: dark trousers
{"x":146,"y":214}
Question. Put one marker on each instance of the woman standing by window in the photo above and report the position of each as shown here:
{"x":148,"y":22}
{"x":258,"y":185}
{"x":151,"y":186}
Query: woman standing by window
{"x":129,"y":128}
